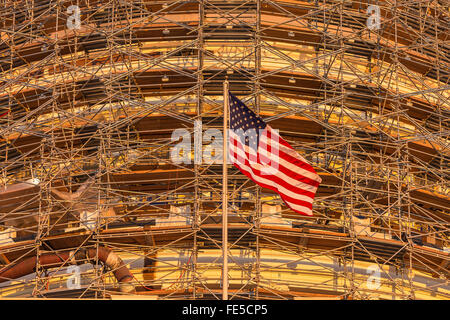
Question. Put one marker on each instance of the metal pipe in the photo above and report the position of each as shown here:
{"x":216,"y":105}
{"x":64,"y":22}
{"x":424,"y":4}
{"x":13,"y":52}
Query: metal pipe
{"x":225,"y":193}
{"x":50,"y":260}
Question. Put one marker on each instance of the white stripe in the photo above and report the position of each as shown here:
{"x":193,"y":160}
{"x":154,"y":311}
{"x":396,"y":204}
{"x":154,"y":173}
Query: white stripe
{"x":283,"y":162}
{"x":282,"y":189}
{"x":294,"y":206}
{"x":274,"y":143}
{"x":290,"y":204}
{"x":282,"y":175}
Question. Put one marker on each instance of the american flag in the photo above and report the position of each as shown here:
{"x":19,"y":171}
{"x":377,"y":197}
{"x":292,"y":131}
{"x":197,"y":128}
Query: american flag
{"x":263,"y":156}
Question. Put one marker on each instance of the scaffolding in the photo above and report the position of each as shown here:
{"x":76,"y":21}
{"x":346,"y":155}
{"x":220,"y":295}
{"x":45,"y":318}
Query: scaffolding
{"x":88,"y":109}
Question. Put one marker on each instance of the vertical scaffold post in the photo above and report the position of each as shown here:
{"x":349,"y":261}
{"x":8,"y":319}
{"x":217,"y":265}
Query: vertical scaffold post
{"x":225,"y":193}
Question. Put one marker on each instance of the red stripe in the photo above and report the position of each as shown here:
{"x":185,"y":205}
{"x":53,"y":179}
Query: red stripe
{"x":281,"y":141}
{"x":294,"y":161}
{"x":306,"y":204}
{"x":282,"y":183}
{"x":288,"y":158}
{"x":285,"y":198}
{"x":4,"y":114}
{"x":275,"y":178}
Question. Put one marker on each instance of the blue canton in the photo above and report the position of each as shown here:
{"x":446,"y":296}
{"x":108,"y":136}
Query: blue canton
{"x":241,"y":117}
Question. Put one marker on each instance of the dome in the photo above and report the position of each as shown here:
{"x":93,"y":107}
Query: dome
{"x":111,"y":116}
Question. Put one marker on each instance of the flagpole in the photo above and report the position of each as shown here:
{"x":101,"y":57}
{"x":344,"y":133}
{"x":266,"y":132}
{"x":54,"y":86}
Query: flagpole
{"x":225,"y":192}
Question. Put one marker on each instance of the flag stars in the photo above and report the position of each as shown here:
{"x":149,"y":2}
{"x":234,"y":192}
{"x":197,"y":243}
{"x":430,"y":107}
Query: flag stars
{"x":243,"y":118}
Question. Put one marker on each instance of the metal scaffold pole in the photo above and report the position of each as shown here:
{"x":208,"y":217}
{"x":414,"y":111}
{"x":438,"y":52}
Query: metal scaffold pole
{"x":225,"y":194}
